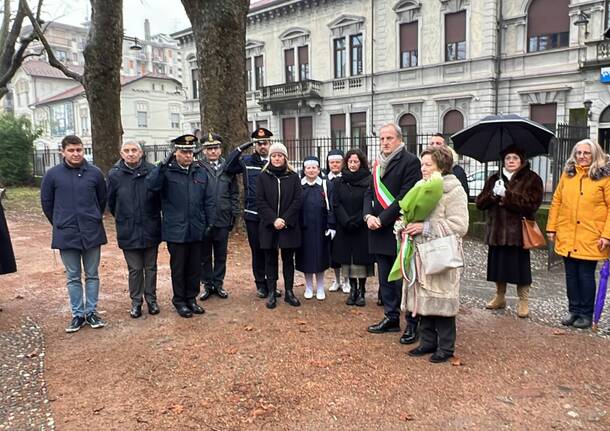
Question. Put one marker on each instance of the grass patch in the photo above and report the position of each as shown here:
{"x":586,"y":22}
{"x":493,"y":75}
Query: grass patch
{"x":25,"y":200}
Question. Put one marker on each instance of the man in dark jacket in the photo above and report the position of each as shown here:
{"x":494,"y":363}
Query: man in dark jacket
{"x":222,"y":187}
{"x":186,"y":211}
{"x":394,"y":173}
{"x":137,"y":212}
{"x":73,"y":198}
{"x":438,"y":140}
{"x":251,"y":166}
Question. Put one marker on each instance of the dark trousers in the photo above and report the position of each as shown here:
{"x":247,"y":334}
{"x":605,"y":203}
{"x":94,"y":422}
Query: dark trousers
{"x":258,"y":255}
{"x":214,"y":257}
{"x":437,"y":332}
{"x":271,"y":267}
{"x":185,"y":265}
{"x":391,"y":291}
{"x":142,"y":265}
{"x":580,"y":284}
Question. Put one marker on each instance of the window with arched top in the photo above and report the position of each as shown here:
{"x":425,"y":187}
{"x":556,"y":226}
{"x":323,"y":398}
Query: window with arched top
{"x":453,"y":121}
{"x":548,"y":25}
{"x":605,"y":115}
{"x":408,"y":126}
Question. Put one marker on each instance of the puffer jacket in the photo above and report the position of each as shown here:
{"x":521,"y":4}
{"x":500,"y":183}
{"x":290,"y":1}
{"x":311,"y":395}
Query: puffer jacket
{"x":439,"y":294}
{"x":579,"y":213}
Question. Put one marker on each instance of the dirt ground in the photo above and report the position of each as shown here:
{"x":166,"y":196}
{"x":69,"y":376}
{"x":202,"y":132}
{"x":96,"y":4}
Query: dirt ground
{"x":241,"y":366}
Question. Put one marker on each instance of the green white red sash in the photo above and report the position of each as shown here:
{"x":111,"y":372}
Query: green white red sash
{"x":382,"y":193}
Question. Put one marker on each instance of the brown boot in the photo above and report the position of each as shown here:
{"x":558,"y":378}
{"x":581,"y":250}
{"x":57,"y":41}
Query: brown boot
{"x":522,"y":307}
{"x":499,"y":301}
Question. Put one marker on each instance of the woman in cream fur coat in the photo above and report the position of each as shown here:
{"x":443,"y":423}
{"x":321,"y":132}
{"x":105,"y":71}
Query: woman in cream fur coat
{"x":436,"y":297}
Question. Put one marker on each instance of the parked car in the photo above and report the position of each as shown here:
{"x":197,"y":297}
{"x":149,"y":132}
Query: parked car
{"x":476,"y":181}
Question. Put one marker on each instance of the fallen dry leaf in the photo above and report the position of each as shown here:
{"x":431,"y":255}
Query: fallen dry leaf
{"x":456,"y":362}
{"x":177,"y":408}
{"x":249,"y":328}
{"x":231,"y":350}
{"x":406,"y":417}
{"x":559,"y":332}
{"x":301,"y":322}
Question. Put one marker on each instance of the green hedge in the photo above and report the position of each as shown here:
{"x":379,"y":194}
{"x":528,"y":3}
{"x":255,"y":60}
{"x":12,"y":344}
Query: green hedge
{"x":16,"y":149}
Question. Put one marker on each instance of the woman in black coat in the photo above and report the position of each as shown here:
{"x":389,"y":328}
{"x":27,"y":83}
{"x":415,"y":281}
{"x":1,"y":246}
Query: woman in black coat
{"x":7,"y":258}
{"x":350,"y":247}
{"x":278,"y":202}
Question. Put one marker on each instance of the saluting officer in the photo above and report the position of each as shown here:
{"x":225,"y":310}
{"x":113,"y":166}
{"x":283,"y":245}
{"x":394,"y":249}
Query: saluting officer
{"x":251,"y":165}
{"x":222,"y":187}
{"x":186,"y":211}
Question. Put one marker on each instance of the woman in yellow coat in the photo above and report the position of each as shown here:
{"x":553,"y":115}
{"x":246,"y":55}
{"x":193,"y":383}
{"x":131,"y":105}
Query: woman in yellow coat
{"x":579,"y":223}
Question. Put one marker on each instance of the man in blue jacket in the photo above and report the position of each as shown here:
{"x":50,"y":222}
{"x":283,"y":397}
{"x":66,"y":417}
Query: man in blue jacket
{"x":251,"y":165}
{"x":224,"y":191}
{"x":137,"y":213}
{"x":73,"y":198}
{"x":186,"y":211}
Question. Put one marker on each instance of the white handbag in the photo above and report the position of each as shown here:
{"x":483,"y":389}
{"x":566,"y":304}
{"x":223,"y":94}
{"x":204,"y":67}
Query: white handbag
{"x":441,"y":254}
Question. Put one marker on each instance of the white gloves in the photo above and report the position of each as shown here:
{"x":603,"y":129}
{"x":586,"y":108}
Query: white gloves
{"x":331,"y":233}
{"x":499,"y":189}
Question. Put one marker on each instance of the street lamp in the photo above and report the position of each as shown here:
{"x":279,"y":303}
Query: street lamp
{"x":136,"y":46}
{"x":582,"y":19}
{"x":587,"y":104}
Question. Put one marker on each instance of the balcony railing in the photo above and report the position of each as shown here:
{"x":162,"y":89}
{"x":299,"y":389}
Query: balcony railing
{"x":603,"y":50}
{"x":291,"y":90}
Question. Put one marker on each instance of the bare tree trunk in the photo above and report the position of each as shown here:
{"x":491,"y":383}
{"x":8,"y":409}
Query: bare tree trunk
{"x":102,"y":80}
{"x":219,"y":29}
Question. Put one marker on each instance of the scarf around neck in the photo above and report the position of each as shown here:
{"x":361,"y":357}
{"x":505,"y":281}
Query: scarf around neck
{"x":352,"y":178}
{"x":384,"y":160}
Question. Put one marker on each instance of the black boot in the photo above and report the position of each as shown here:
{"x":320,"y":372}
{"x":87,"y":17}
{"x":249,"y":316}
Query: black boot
{"x":271,"y":299}
{"x":289,"y":298}
{"x":361,"y":291}
{"x":353,"y":292}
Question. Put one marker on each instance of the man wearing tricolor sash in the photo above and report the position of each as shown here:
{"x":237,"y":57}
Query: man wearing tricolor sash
{"x":394,"y":173}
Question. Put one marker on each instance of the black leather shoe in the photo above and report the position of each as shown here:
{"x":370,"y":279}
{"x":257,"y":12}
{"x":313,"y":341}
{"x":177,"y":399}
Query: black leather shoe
{"x":271,"y":301}
{"x":409,"y":336}
{"x":569,"y":319}
{"x":262,"y":292}
{"x":184,"y":311}
{"x":439,"y":357}
{"x":136,"y":311}
{"x":421,"y":351}
{"x":153,"y":308}
{"x":291,"y":299}
{"x":386,"y":325}
{"x":220,"y":291}
{"x":582,"y":322}
{"x":195,"y":308}
{"x":207,"y":291}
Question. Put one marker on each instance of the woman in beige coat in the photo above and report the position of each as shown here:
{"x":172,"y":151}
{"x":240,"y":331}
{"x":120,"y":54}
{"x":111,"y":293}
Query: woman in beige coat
{"x":436,"y":297}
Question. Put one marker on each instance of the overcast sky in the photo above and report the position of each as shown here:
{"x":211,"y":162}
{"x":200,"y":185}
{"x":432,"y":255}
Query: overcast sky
{"x":166,"y":16}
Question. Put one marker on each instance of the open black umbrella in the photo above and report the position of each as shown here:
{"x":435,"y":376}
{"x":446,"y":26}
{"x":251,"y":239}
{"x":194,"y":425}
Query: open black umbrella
{"x":485,"y":139}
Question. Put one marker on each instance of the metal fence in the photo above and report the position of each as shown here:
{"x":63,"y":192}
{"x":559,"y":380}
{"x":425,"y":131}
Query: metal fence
{"x":549,"y":167}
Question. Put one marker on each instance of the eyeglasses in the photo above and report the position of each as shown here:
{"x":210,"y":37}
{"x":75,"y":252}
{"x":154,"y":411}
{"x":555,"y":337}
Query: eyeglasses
{"x":583,"y":153}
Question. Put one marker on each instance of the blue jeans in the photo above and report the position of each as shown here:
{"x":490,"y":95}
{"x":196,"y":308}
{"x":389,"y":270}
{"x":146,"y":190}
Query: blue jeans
{"x":580,"y":284}
{"x":72,"y":262}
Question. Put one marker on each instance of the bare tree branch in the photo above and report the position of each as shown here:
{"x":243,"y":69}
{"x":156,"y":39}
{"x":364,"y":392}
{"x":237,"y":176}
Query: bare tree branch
{"x":50,"y":54}
{"x":34,"y":54}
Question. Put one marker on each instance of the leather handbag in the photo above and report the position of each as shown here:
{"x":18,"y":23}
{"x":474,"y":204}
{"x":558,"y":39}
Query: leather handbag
{"x":532,"y":235}
{"x":441,"y":254}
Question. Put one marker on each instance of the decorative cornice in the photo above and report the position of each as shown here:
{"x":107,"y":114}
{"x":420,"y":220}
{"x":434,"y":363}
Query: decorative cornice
{"x":281,"y":8}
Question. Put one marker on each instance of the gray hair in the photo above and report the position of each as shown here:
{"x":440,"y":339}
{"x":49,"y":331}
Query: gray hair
{"x":396,"y":129}
{"x":131,"y":142}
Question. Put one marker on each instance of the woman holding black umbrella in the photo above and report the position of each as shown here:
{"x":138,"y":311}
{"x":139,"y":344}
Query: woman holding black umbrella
{"x":579,"y":223}
{"x":509,"y":195}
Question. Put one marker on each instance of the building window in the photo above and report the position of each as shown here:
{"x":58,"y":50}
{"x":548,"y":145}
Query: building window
{"x":142,"y":114}
{"x":355,"y":47}
{"x":174,"y":116}
{"x":195,"y":82}
{"x":61,"y":55}
{"x":408,"y":45}
{"x":358,"y":129}
{"x":337,"y":130}
{"x":289,"y":134}
{"x":289,"y":65}
{"x":84,"y":121}
{"x":455,"y":36}
{"x":408,"y":126}
{"x":339,"y":50}
{"x":305,"y":136}
{"x":545,"y":114}
{"x":259,"y":72}
{"x":249,"y":74}
{"x":62,"y":119}
{"x":303,"y":53}
{"x":453,"y":121}
{"x":548,"y":25}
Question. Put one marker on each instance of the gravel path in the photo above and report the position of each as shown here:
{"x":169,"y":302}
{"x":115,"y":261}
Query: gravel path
{"x":24,"y":404}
